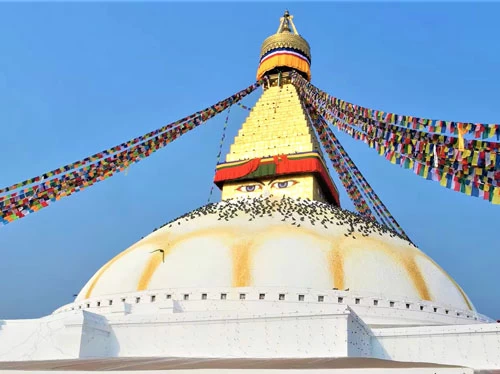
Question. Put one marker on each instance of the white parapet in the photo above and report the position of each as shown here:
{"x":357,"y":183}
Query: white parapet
{"x":255,"y":323}
{"x":244,"y":335}
{"x":61,"y":336}
{"x":476,"y":345}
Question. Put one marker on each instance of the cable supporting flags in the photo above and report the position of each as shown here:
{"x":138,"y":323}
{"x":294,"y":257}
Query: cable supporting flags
{"x":40,"y":191}
{"x":468,"y":166}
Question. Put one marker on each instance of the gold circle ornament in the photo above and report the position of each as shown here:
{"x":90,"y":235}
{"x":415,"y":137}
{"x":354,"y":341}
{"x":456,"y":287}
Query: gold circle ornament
{"x":286,"y":40}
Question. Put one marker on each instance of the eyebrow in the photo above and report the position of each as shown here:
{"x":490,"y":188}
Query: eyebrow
{"x":275,"y":179}
{"x":252,"y":181}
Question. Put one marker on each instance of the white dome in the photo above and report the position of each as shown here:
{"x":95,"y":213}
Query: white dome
{"x":271,"y":242}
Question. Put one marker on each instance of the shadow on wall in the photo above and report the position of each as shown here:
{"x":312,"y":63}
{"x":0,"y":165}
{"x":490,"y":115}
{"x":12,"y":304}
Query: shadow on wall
{"x":378,"y":351}
{"x":97,"y":337}
{"x":113,"y":345}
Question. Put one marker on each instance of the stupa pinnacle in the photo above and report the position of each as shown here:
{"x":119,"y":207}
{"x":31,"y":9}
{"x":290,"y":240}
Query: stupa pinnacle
{"x":276,"y":151}
{"x":285,"y":50}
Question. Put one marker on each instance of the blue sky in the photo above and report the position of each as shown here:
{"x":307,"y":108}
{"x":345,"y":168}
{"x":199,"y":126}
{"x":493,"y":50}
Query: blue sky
{"x":78,"y":78}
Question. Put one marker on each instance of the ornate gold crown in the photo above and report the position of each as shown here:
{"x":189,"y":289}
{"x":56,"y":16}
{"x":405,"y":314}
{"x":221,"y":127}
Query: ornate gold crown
{"x":284,"y":38}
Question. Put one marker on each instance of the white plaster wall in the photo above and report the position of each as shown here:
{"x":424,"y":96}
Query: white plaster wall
{"x":240,"y":336}
{"x":476,"y":346}
{"x":278,"y":326}
{"x":96,"y":339}
{"x":376,"y":310}
{"x":358,"y":337}
{"x":62,"y":336}
{"x":39,"y":339}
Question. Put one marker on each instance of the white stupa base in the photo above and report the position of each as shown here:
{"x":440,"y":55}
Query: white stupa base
{"x":204,"y":324}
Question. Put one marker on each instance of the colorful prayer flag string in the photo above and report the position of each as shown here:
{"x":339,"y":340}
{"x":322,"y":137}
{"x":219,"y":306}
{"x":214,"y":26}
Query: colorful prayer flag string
{"x":345,"y":177}
{"x":220,"y":149}
{"x":481,"y":159}
{"x":474,"y":171}
{"x":379,"y":207}
{"x":429,"y":157}
{"x":476,"y":130}
{"x":216,"y":107}
{"x":54,"y":188}
{"x":244,"y":107}
{"x":34,"y":198}
{"x":471,"y":186}
{"x":346,"y":165}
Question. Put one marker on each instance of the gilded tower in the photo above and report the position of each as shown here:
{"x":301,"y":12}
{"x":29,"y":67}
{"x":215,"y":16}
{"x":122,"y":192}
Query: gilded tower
{"x":276,"y":151}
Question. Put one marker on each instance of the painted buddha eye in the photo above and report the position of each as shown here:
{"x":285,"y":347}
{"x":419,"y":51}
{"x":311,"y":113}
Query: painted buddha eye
{"x":284,"y":184}
{"x":249,"y":188}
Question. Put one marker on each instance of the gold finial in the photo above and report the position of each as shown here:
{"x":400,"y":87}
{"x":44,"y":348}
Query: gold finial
{"x":285,"y":49}
{"x":285,"y":38}
{"x":285,"y":22}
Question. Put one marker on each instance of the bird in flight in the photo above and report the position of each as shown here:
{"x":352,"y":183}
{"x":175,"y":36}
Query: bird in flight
{"x":162,"y":254}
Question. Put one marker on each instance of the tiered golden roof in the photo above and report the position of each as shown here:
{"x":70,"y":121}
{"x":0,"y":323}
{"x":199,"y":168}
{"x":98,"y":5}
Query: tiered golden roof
{"x":276,"y":125}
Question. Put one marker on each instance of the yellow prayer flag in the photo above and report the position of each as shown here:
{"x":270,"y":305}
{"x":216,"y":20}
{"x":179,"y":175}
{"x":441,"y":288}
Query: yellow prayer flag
{"x":426,"y":171}
{"x":462,"y":130}
{"x":443,"y":180}
{"x":475,"y":158}
{"x":491,"y":132}
{"x":468,"y":189}
{"x":496,"y":196}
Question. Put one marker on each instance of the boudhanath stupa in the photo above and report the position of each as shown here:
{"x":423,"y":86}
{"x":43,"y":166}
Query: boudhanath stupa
{"x":276,"y":276}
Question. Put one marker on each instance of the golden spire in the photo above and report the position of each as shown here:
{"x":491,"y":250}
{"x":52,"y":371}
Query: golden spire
{"x":285,"y":50}
{"x":276,"y":151}
{"x":285,"y":23}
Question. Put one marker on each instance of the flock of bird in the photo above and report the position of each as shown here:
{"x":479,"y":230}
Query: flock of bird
{"x":295,"y":211}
